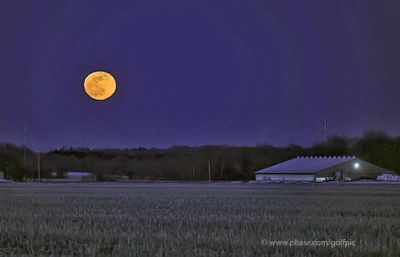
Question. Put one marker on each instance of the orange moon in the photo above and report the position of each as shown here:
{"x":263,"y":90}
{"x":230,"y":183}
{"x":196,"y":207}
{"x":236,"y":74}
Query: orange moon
{"x":100,"y":85}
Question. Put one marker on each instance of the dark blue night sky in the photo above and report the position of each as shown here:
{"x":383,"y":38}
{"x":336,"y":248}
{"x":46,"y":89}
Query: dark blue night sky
{"x":198,"y":72}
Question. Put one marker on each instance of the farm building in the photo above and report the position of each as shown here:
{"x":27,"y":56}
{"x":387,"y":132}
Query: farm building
{"x":321,"y":169}
{"x":76,"y":176}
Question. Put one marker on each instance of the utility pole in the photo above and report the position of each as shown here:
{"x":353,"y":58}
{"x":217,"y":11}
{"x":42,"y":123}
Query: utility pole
{"x":209,"y":171}
{"x":325,"y":130}
{"x":38,"y":166}
{"x":193,"y":173}
{"x":24,"y":142}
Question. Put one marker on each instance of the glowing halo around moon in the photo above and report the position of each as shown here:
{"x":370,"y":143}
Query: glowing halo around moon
{"x":100,"y":85}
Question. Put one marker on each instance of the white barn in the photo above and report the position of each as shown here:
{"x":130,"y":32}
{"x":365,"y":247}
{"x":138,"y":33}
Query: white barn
{"x":321,"y":168}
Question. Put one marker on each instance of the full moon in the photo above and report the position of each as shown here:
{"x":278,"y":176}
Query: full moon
{"x":100,"y":85}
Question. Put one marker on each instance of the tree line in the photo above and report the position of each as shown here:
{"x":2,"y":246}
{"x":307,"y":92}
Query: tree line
{"x":192,"y":163}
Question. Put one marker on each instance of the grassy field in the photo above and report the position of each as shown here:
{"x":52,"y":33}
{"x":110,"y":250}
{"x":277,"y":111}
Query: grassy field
{"x":169,"y":219}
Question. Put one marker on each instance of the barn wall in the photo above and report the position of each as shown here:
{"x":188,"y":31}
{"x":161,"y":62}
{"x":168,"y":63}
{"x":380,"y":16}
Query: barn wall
{"x":366,"y":170}
{"x":285,"y":177}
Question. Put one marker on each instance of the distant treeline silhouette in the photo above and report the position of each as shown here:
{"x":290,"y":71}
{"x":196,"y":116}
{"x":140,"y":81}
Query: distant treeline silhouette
{"x":192,"y":163}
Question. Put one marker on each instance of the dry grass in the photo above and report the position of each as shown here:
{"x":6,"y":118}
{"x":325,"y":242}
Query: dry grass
{"x":196,"y":219}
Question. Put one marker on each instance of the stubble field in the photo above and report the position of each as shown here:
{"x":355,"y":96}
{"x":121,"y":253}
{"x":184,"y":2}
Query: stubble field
{"x":184,"y":219}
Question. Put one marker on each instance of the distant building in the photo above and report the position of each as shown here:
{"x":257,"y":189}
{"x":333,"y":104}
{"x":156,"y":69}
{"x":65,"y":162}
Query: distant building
{"x":111,"y":177}
{"x":76,"y":176}
{"x":321,"y":169}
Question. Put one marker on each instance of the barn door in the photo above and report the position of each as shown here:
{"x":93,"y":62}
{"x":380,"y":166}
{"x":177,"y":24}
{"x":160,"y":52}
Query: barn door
{"x":339,"y":175}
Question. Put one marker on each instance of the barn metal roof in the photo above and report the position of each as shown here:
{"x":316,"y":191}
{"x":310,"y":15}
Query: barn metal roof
{"x":306,"y":165}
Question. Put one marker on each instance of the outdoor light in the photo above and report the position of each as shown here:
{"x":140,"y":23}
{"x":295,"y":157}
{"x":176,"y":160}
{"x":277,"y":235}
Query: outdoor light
{"x":356,"y":165}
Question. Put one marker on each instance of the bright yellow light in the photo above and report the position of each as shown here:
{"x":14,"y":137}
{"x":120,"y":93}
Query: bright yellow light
{"x":100,"y":85}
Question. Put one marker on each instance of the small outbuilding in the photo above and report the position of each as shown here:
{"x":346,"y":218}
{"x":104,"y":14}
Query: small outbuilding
{"x":320,"y":169}
{"x":2,"y":180}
